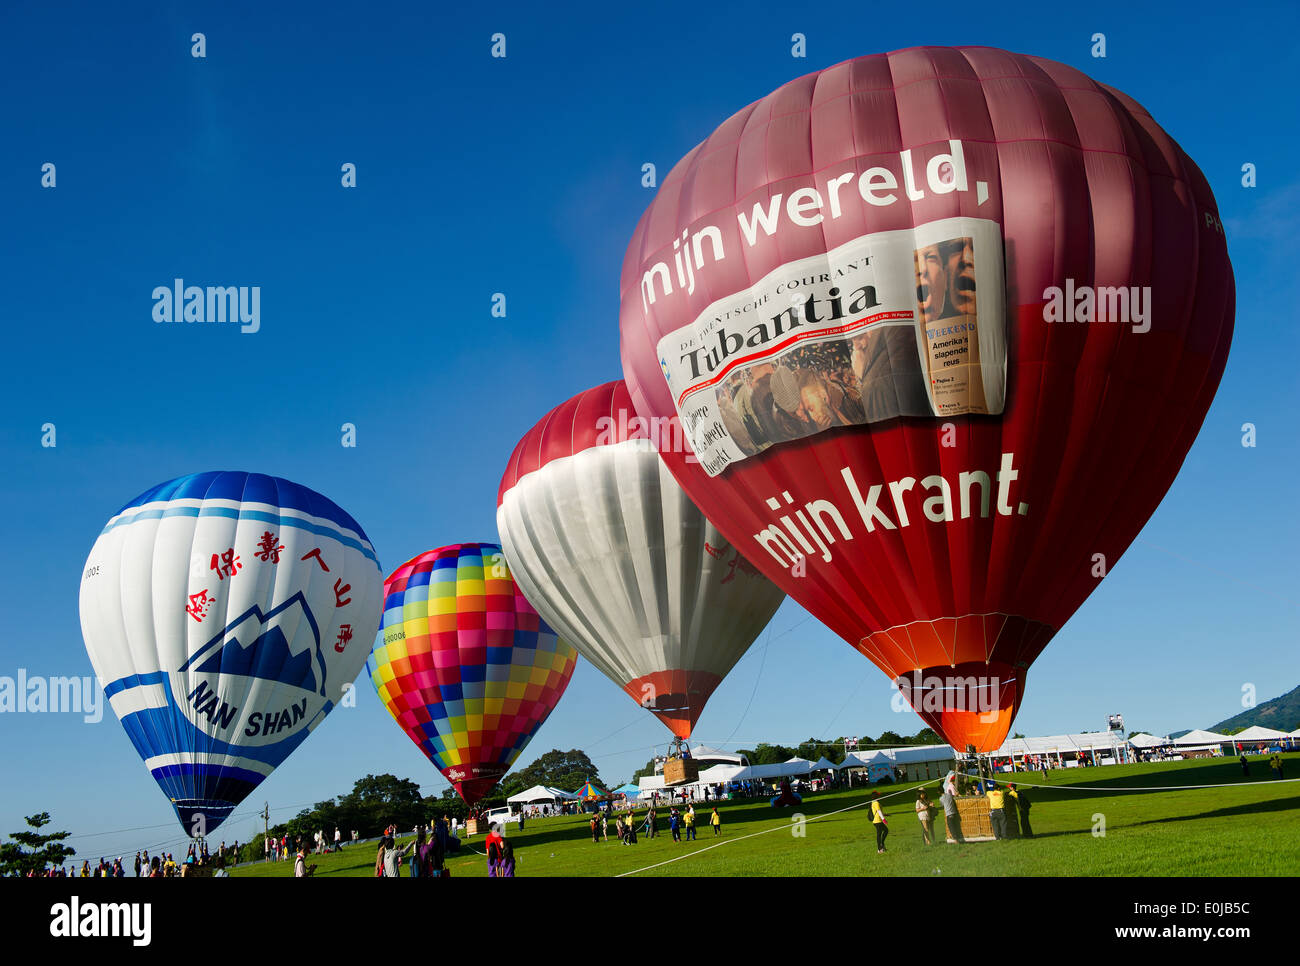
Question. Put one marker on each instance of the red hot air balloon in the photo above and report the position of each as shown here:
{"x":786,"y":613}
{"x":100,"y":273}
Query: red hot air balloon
{"x":607,"y":547}
{"x":941,"y":325}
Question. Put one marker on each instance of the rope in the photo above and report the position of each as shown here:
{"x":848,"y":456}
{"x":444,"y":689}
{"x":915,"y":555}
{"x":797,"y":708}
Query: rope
{"x":775,"y":828}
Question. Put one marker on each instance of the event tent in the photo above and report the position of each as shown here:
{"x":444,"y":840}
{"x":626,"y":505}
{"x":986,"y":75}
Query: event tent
{"x":540,"y":794}
{"x":703,"y":753}
{"x":588,"y":790}
{"x":1202,"y":739}
{"x":1108,"y":743}
{"x":629,"y":790}
{"x":1257,"y":733}
{"x":823,"y":763}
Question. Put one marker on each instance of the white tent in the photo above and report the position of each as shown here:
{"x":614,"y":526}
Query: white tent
{"x":799,"y":766}
{"x":854,"y":759}
{"x":1201,"y":739}
{"x":1104,"y":742}
{"x":823,"y":762}
{"x":1256,"y":733}
{"x":703,"y":753}
{"x":539,"y":794}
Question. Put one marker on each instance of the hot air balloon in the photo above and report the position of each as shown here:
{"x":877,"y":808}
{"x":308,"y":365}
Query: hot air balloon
{"x":607,"y":547}
{"x":225,"y":615}
{"x":971,"y":308}
{"x":465,"y":665}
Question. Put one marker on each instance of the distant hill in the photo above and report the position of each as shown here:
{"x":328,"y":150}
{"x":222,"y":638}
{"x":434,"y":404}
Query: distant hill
{"x":1281,"y":713}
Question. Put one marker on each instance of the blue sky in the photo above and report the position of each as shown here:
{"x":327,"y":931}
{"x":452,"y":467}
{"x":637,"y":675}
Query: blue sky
{"x":522,"y":176}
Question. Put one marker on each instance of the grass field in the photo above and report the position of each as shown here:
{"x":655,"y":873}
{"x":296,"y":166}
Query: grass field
{"x":1200,"y":831}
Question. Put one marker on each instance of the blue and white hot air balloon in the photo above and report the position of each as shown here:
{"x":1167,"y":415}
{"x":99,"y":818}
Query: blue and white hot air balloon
{"x":225,"y":615}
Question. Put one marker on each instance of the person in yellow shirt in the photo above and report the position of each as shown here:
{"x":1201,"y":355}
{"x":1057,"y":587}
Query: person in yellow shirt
{"x":996,"y":814}
{"x":690,"y":823}
{"x":880,"y":821}
{"x":716,"y":821}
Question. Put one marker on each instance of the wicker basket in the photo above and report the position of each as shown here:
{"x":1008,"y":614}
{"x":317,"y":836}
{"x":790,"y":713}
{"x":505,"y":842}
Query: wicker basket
{"x":976,"y":822}
{"x":681,"y":771}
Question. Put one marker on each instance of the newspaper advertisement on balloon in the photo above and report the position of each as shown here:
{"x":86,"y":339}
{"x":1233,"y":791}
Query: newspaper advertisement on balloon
{"x":899,"y":323}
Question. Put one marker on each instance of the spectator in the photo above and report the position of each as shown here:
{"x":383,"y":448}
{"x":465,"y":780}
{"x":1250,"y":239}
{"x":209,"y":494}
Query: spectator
{"x":393,"y":858}
{"x":716,"y":821}
{"x":951,"y":815}
{"x":924,"y":814}
{"x":996,"y":814}
{"x":879,"y":820}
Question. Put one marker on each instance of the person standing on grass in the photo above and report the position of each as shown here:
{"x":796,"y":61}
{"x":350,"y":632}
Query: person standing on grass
{"x":595,"y":830}
{"x":432,"y":856}
{"x":951,"y":816}
{"x":495,"y":853}
{"x":674,"y":826}
{"x":879,"y":820}
{"x":1245,"y":767}
{"x":506,"y":865}
{"x":996,"y":814}
{"x":393,"y":856}
{"x":924,"y":814}
{"x":716,"y":821}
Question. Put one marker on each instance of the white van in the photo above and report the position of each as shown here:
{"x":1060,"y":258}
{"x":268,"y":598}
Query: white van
{"x":500,"y":816}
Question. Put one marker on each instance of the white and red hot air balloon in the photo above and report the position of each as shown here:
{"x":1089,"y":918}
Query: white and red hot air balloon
{"x":614,"y":556}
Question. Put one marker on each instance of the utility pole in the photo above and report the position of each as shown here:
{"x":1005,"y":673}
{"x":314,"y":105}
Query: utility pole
{"x":266,"y":820}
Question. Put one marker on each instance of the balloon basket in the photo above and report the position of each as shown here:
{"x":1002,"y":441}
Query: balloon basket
{"x":976,"y":821}
{"x":681,"y":771}
{"x":471,"y":827}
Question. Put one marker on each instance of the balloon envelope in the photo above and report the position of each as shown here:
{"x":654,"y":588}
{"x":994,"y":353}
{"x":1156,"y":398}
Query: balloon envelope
{"x":941,"y":325}
{"x":465,"y":665}
{"x":613,"y":554}
{"x":225,"y":615}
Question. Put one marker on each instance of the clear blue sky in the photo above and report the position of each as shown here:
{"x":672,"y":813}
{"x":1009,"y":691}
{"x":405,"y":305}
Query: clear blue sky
{"x":522,"y":176}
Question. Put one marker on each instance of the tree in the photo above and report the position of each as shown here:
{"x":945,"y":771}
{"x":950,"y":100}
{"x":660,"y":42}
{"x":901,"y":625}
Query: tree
{"x":766,"y":754}
{"x":42,"y":849}
{"x":890,"y":738}
{"x":646,"y":770}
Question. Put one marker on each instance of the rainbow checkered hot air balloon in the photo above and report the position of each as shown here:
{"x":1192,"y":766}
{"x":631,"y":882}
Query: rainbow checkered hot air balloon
{"x":465,"y":665}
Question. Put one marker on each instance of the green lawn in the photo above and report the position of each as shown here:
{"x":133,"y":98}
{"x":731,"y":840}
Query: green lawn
{"x":1200,"y":831}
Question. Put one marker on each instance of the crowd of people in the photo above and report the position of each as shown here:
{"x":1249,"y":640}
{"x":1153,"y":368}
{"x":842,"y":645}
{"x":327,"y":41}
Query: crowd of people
{"x":1008,"y":812}
{"x":426,"y":855}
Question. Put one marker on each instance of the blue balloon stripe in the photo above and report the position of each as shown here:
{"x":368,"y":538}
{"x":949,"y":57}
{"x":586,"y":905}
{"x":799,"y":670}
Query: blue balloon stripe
{"x":238,"y":486}
{"x":123,"y":519}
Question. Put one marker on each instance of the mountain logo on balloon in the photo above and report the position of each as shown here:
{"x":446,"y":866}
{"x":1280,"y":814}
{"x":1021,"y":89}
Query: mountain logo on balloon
{"x":248,"y":647}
